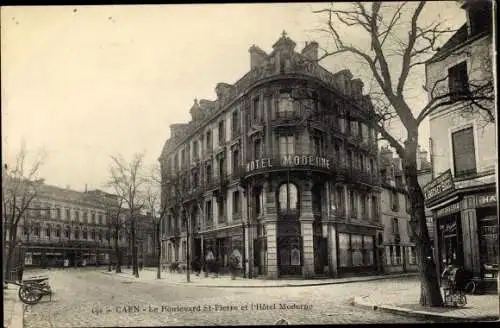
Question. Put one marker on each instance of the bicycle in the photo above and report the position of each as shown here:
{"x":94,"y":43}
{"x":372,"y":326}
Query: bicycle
{"x":454,"y":296}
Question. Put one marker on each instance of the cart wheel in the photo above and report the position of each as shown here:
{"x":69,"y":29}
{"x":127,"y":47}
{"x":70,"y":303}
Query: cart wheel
{"x":28,"y":295}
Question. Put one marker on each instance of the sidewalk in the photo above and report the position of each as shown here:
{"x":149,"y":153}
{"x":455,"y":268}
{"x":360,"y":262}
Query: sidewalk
{"x":13,"y":308}
{"x":225,"y":281}
{"x":405,"y":302}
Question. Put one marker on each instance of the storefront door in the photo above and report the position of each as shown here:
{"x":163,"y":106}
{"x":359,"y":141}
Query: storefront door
{"x":451,"y":240}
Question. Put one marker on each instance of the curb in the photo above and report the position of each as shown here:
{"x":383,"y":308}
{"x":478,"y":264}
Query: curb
{"x":278,"y":285}
{"x":420,"y":314}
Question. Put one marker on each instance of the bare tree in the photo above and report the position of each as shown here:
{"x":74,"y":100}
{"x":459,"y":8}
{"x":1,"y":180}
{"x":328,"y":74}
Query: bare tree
{"x":126,"y":179}
{"x":115,"y":223}
{"x":158,"y":210}
{"x":20,"y":186}
{"x":400,"y":41}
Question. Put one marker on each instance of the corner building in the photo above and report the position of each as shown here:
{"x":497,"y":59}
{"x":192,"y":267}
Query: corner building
{"x":263,"y":177}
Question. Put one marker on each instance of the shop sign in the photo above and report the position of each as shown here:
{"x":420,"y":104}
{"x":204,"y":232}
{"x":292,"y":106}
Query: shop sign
{"x":487,"y":200}
{"x":445,"y":211}
{"x":438,"y":186}
{"x":259,"y":164}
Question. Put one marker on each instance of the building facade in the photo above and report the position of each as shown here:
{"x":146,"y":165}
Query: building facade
{"x":398,"y":244}
{"x":462,"y":195}
{"x":64,"y":227}
{"x":290,"y":192}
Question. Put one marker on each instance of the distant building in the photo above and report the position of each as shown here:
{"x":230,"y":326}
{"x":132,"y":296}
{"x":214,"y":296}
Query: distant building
{"x":66,"y":227}
{"x":462,"y":195}
{"x":146,"y":240}
{"x":398,"y":246}
{"x":290,"y":192}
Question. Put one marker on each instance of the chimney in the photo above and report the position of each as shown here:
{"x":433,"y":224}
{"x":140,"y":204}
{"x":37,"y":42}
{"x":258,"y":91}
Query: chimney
{"x":257,"y":56}
{"x":223,"y":91}
{"x":310,"y":51}
{"x":357,"y":88}
{"x":343,"y":80}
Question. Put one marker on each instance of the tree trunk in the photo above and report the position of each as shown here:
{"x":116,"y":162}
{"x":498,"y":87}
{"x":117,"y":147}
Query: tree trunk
{"x":129,"y":253}
{"x":135,"y":267}
{"x":117,"y":252}
{"x":430,"y":293}
{"x":158,"y":251}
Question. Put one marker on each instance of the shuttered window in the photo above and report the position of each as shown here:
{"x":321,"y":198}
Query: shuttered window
{"x":464,"y":154}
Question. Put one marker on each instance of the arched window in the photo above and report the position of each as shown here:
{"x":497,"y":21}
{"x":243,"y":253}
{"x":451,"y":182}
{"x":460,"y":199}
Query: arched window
{"x":85,"y":234}
{"x":47,"y":231}
{"x":288,"y":197}
{"x":67,"y":233}
{"x":58,"y":231}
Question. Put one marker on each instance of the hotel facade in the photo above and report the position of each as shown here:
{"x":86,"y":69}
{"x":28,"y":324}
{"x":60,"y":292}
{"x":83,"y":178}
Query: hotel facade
{"x":263,"y":177}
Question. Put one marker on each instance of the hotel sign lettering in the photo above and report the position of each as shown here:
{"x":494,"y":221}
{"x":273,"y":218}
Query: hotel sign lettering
{"x":289,"y":161}
{"x":438,"y":186}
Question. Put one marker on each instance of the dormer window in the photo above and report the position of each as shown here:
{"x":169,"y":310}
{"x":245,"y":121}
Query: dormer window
{"x":458,"y":80}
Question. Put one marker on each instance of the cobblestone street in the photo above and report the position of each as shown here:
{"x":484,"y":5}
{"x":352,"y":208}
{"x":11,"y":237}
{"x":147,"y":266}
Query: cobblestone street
{"x":87,"y":298}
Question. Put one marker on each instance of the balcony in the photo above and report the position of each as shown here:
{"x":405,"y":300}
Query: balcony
{"x":285,"y":118}
{"x":235,"y":133}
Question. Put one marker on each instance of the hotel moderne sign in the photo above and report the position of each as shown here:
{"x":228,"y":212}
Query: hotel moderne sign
{"x":289,"y":161}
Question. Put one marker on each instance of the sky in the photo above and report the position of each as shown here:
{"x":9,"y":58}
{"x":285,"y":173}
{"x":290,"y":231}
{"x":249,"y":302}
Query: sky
{"x":81,"y":83}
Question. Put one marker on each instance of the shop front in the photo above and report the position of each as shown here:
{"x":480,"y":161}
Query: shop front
{"x":466,"y":229}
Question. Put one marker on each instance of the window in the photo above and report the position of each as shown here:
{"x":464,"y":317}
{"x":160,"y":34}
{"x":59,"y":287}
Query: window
{"x":374,"y":208}
{"x":352,"y":200}
{"x":395,"y":226}
{"x":67,"y":232}
{"x":195,"y":150}
{"x":286,"y":145}
{"x":364,"y":201}
{"x":337,"y":152}
{"x":222,"y":210}
{"x":235,"y":124}
{"x":196,"y":179}
{"x":222,"y":167}
{"x":26,"y":230}
{"x":68,"y":214}
{"x":93,"y":218}
{"x":339,"y":199}
{"x":372,"y":167}
{"x":209,"y":173}
{"x":183,"y":158}
{"x":236,"y":202}
{"x":317,"y":145}
{"x":47,"y":231}
{"x":368,"y":250}
{"x":236,"y":160}
{"x":85,"y":217}
{"x":285,"y":107}
{"x":209,"y":141}
{"x":357,"y":247}
{"x":222,"y":135}
{"x":58,"y":213}
{"x":257,"y":149}
{"x":208,"y":211}
{"x":344,"y":250}
{"x":92,"y":235}
{"x":256,"y":109}
{"x":58,"y":231}
{"x":36,"y":229}
{"x":349,"y":159}
{"x":288,"y":197}
{"x":100,"y":219}
{"x":458,"y":80}
{"x":77,"y":234}
{"x":360,"y":130}
{"x":84,"y":234}
{"x":394,"y":198}
{"x":362,"y":163}
{"x":464,"y":154}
